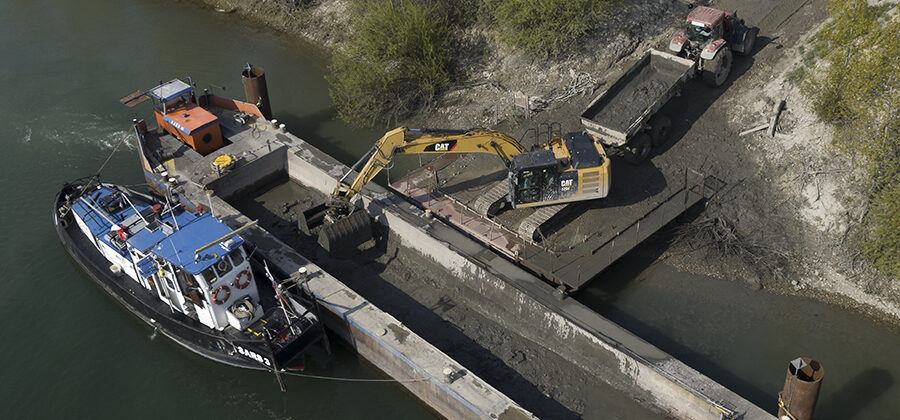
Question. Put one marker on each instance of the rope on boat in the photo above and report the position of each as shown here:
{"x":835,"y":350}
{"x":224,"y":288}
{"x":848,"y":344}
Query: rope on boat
{"x":339,"y":379}
{"x":127,"y":133}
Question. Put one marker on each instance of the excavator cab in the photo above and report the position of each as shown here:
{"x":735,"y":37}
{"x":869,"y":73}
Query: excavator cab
{"x":533,"y":177}
{"x":571,"y":168}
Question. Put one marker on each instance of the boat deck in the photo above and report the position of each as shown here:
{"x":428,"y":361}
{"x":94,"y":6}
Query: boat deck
{"x":246,"y":141}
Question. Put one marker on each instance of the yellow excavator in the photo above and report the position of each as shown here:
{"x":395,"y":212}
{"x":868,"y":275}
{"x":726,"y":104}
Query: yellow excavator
{"x":571,"y":167}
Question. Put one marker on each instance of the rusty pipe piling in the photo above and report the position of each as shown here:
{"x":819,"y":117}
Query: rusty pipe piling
{"x":255,"y":90}
{"x":797,"y":400}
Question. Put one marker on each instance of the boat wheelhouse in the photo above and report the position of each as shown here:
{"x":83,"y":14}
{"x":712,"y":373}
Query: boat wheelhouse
{"x":187,"y":274}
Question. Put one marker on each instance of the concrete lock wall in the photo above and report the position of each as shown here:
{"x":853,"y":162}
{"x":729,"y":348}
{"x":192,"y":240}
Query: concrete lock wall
{"x":376,"y":335}
{"x":566,"y":327}
{"x":248,"y":176}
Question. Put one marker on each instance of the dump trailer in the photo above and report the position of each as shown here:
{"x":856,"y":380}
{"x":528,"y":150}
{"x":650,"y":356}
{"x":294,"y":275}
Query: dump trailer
{"x":626,"y":113}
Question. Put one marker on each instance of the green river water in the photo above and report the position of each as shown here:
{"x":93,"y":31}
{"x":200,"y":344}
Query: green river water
{"x":70,"y":351}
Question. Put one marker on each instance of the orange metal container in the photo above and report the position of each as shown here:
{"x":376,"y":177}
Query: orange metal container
{"x":194,"y":126}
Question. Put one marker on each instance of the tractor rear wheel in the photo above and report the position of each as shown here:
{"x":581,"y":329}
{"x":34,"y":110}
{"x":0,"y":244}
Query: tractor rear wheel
{"x":715,"y":71}
{"x":638,"y":149}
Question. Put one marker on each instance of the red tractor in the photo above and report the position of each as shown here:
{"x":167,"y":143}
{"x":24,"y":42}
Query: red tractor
{"x":709,"y":37}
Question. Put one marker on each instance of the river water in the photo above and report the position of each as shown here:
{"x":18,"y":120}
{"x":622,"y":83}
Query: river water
{"x":744,"y":338}
{"x":70,"y":351}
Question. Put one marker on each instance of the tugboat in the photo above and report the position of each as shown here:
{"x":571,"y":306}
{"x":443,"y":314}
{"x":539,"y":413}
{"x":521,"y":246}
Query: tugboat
{"x":187,"y":275}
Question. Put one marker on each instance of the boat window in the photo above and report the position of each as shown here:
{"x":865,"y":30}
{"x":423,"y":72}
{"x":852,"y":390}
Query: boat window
{"x":209,"y":275}
{"x":223,"y":266}
{"x":237,"y":257}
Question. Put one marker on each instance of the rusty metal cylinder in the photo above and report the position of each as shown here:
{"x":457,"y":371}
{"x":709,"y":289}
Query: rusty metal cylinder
{"x":797,"y":400}
{"x":255,"y":90}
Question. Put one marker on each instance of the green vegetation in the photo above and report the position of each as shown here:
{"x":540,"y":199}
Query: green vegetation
{"x":547,"y":27}
{"x":399,"y":57}
{"x":858,"y":91}
{"x":397,"y":61}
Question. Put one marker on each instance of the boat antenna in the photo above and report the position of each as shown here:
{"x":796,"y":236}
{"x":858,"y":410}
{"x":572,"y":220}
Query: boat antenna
{"x":180,"y":263}
{"x":125,"y":196}
{"x":172,"y":212}
{"x":280,"y":295}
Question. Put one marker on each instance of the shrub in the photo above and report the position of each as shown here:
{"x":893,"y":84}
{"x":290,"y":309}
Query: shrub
{"x":884,"y":248}
{"x":397,"y":60}
{"x":858,"y":91}
{"x":547,"y":27}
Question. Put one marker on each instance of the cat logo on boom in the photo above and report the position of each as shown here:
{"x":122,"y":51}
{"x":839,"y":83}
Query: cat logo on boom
{"x":445,"y":146}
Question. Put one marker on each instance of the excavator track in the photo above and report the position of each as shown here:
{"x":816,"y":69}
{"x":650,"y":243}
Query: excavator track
{"x":487,"y":204}
{"x":530,"y":227}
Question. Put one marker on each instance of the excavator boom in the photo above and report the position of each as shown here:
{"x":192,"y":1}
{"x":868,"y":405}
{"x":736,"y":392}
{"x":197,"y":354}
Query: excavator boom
{"x":346,"y":229}
{"x":404,"y":140}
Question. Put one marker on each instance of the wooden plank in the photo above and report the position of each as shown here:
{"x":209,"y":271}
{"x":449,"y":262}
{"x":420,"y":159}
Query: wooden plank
{"x":779,"y":105}
{"x":754,"y":129}
{"x":134,"y":98}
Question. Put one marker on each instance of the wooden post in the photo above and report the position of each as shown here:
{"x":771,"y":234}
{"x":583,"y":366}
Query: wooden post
{"x":775,"y":113}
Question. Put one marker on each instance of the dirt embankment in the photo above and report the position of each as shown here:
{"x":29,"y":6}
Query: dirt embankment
{"x":786,"y":222}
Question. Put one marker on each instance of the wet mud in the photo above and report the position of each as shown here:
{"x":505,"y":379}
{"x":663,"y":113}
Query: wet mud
{"x":425,"y":297}
{"x":644,"y":88}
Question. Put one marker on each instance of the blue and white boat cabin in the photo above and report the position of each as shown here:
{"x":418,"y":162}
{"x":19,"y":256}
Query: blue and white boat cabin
{"x":190,"y":260}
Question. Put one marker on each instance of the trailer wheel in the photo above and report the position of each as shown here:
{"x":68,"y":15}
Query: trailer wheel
{"x":715,"y":71}
{"x":660,"y":126}
{"x":638,"y":149}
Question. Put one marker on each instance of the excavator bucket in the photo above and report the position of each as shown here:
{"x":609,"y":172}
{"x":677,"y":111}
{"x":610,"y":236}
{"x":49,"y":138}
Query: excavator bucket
{"x":347,"y":233}
{"x":312,"y":218}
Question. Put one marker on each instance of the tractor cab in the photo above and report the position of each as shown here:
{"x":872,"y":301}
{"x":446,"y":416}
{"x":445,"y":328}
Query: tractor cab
{"x":703,"y":27}
{"x":178,"y":114}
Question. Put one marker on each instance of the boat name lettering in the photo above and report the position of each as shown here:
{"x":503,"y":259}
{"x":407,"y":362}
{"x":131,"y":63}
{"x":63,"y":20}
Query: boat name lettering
{"x":253,"y":355}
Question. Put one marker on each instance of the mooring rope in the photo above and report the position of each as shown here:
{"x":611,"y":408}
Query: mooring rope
{"x":340,"y":379}
{"x":127,"y":133}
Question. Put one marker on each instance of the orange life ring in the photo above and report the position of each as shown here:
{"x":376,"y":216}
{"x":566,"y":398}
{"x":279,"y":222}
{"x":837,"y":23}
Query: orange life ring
{"x":237,"y":280}
{"x":215,"y":295}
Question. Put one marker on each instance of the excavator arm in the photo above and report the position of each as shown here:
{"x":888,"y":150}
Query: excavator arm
{"x":404,"y":140}
{"x":346,"y":229}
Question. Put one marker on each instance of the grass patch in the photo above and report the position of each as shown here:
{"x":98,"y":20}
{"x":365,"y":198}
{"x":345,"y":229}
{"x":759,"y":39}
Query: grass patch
{"x":547,"y":27}
{"x":396,"y":61}
{"x":858,"y":91}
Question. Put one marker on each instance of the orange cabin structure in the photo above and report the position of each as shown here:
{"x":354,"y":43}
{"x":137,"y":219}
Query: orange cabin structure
{"x":178,"y":114}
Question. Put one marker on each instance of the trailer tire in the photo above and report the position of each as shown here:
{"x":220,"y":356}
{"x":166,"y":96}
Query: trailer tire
{"x":639,"y":148}
{"x":660,"y":125}
{"x":715,"y":71}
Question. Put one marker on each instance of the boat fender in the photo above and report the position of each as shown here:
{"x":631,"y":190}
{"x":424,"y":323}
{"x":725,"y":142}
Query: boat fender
{"x":215,"y":295}
{"x":237,"y":281}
